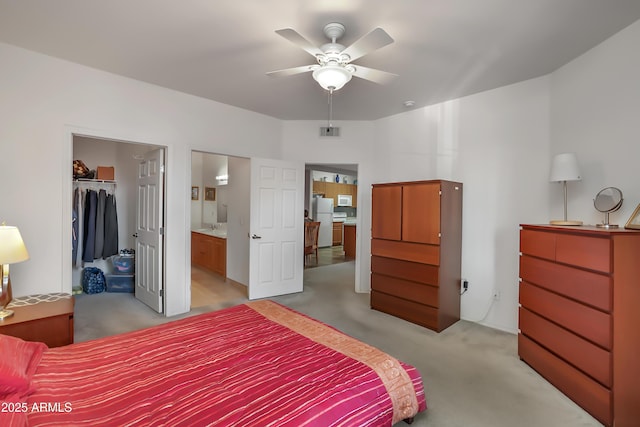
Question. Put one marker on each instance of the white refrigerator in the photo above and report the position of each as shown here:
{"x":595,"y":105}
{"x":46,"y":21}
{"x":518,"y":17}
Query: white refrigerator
{"x":322,"y":211}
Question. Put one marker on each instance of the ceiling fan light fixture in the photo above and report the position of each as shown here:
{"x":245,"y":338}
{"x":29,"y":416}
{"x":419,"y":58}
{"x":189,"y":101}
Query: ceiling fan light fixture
{"x":332,"y":76}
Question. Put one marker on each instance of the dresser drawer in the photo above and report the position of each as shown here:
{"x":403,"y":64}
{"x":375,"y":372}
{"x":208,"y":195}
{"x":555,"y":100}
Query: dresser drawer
{"x":593,"y":397}
{"x":584,"y":286}
{"x":593,"y":253}
{"x":413,"y":291}
{"x":538,"y":243}
{"x":412,"y":311}
{"x":416,"y":252}
{"x":414,"y":271}
{"x":591,"y":324}
{"x":586,"y":356}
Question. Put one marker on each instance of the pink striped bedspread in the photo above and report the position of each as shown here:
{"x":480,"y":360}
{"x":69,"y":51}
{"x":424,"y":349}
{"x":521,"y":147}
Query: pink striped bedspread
{"x":256,"y":364}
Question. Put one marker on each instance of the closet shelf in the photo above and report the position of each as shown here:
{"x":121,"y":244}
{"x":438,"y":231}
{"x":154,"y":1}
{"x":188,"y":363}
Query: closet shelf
{"x":93,"y":181}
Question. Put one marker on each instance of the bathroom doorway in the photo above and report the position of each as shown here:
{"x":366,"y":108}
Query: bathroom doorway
{"x":219,"y":221}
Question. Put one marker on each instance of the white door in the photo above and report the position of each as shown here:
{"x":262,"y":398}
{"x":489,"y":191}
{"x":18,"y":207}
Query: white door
{"x":276,"y":228}
{"x":149,"y":230}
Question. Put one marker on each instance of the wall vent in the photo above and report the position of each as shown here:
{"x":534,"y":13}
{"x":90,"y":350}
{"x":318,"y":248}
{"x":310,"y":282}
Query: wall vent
{"x":329,"y":131}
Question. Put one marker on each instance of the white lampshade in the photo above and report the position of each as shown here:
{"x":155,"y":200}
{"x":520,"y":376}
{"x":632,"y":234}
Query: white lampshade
{"x":12,"y":247}
{"x":331,"y":76}
{"x":564,"y":167}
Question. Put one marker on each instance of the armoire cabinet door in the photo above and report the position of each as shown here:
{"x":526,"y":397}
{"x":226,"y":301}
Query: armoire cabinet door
{"x":421,"y":213}
{"x":386,"y":203}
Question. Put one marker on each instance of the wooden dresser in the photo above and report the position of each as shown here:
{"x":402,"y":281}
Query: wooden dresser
{"x":416,"y":240}
{"x":580,"y":315}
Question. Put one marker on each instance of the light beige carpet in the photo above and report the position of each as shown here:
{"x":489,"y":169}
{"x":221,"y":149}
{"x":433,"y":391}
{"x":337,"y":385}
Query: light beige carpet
{"x":472,"y":374}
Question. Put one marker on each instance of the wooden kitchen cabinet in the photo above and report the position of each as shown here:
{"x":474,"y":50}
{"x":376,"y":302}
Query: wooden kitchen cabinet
{"x":416,"y":244}
{"x":209,"y":252}
{"x":349,"y":241}
{"x":579,"y":317}
{"x":319,"y":187}
{"x":337,"y":233}
{"x":330,"y":190}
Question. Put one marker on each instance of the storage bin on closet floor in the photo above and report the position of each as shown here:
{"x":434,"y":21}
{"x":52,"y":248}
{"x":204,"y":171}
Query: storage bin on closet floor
{"x":120,"y":282}
{"x":123,"y":264}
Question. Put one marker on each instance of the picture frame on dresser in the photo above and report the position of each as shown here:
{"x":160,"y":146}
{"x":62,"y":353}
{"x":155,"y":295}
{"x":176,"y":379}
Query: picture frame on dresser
{"x":634,"y":220}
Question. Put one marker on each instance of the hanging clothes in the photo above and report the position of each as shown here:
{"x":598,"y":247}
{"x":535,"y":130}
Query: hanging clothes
{"x":99,"y":241}
{"x":75,"y":227}
{"x":77,"y":261}
{"x":91,"y":204}
{"x":110,"y":227}
{"x":94,"y":222}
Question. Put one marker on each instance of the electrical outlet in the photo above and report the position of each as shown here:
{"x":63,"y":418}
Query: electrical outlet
{"x":496,"y":295}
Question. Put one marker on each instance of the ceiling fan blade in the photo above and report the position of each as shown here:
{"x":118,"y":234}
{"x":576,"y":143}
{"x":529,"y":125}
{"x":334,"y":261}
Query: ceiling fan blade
{"x":291,"y":71}
{"x":375,"y":39}
{"x":294,"y":37}
{"x":371,"y":74}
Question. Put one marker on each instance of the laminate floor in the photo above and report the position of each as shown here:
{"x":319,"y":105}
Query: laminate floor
{"x":208,"y":288}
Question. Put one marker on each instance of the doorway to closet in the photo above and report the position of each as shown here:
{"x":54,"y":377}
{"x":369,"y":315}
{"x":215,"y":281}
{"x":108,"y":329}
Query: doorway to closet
{"x":133,"y":263}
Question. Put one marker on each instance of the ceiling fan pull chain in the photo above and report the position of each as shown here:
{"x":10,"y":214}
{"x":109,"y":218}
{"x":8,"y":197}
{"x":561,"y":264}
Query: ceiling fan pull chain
{"x":329,"y":125}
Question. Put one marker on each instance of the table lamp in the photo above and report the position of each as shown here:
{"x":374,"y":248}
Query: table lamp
{"x":565,"y":168}
{"x":12,"y":250}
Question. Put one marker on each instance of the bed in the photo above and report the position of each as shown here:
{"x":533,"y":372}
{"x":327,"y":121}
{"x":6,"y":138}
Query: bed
{"x":255,"y":364}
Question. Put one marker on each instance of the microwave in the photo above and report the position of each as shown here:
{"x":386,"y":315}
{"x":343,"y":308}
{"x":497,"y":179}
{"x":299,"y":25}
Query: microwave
{"x":344,"y":200}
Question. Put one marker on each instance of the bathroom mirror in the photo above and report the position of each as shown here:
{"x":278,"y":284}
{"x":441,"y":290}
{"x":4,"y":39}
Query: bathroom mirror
{"x":608,"y":200}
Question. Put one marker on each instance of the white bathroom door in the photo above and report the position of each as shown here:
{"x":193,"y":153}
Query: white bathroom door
{"x":276,"y":249}
{"x":150,"y":230}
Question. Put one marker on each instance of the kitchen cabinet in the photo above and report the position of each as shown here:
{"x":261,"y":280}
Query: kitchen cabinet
{"x":337,"y":233}
{"x":349,"y":241}
{"x":579,"y":317}
{"x":209,"y":252}
{"x":319,"y":187}
{"x":416,"y":244}
{"x":330,"y":190}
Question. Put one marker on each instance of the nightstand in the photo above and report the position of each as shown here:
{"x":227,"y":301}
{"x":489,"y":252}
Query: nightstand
{"x":47,"y":318}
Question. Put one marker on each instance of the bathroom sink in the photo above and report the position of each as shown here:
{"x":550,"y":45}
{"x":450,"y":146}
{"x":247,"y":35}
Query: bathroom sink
{"x":215,"y":233}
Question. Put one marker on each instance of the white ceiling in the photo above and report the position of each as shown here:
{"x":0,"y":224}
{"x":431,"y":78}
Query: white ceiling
{"x":221,"y":49}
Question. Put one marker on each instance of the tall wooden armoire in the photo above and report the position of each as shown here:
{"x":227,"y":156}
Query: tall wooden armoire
{"x":416,"y":241}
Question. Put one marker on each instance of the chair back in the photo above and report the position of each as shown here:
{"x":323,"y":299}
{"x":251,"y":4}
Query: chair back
{"x":311,"y":229}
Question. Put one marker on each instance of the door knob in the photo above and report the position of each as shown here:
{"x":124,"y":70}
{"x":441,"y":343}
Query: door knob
{"x":255,"y":236}
{"x":135,"y":235}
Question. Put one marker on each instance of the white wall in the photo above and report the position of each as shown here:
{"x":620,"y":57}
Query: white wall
{"x":237,"y":193}
{"x":44,"y":100}
{"x":494,"y":143}
{"x":595,"y":112}
{"x":197,"y":161}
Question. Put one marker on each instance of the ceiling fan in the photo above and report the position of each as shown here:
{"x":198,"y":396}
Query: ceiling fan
{"x":334,"y":68}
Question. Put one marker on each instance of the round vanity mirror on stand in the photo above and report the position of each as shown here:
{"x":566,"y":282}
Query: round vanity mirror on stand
{"x":608,"y":200}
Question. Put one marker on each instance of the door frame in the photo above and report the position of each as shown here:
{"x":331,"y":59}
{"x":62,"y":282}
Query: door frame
{"x":70,"y":132}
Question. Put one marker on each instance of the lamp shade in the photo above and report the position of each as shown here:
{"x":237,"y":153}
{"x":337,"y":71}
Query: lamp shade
{"x":564,"y":167}
{"x":331,"y":76}
{"x":12,"y":247}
